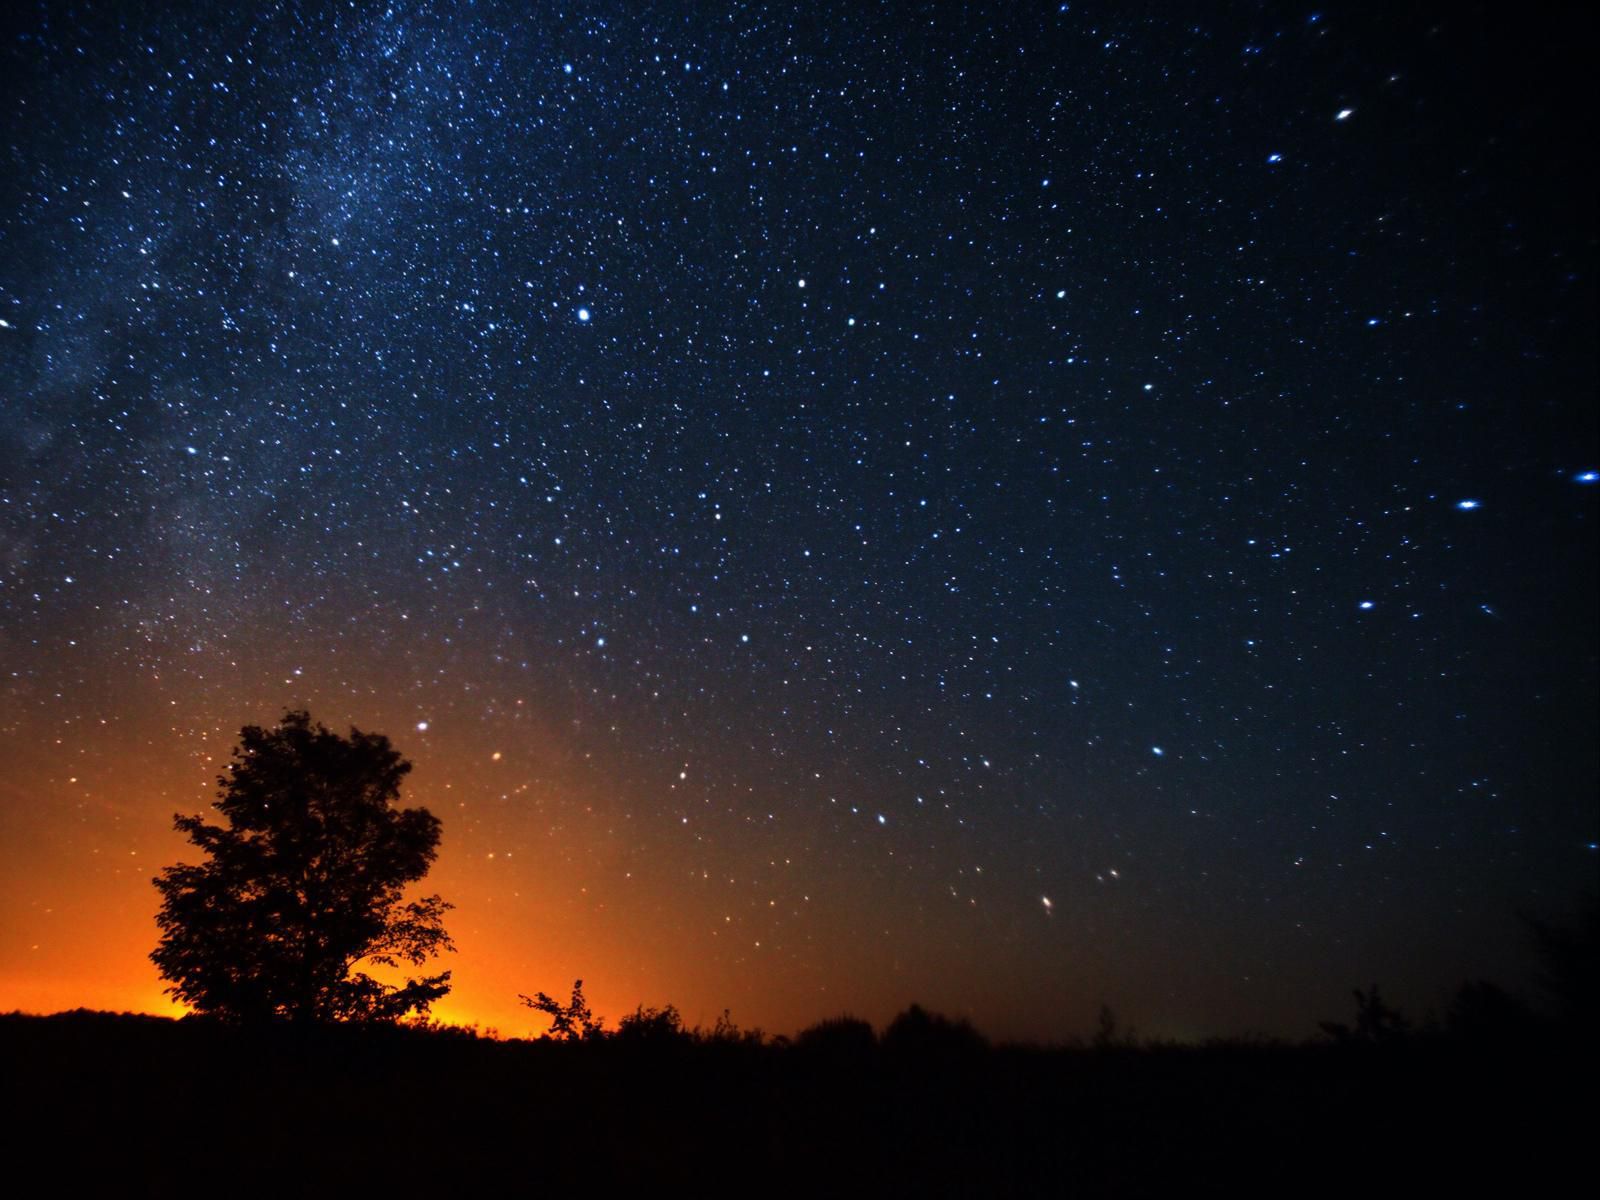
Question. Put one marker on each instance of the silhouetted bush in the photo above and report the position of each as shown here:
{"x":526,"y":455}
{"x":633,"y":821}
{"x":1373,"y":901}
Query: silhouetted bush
{"x":841,"y":1039}
{"x":1109,"y":1035}
{"x":1376,"y":1023}
{"x":652,"y":1027}
{"x":1485,"y":1012}
{"x":725,"y":1033}
{"x":570,"y":1022}
{"x":919,"y":1034}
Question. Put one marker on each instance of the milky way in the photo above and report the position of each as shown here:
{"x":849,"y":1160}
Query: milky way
{"x":1010,"y":509}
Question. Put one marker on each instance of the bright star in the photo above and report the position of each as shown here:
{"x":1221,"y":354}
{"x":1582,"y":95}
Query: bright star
{"x":583,"y":314}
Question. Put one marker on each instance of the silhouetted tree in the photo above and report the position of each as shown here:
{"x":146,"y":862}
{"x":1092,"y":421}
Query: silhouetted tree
{"x":1569,"y":956}
{"x":303,"y":884}
{"x":1375,"y":1023}
{"x":571,"y":1022}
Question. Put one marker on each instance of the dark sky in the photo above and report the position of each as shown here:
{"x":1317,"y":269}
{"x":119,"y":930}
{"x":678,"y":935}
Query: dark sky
{"x":1010,"y":508}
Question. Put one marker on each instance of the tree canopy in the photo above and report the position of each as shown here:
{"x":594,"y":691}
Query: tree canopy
{"x":304,"y":884}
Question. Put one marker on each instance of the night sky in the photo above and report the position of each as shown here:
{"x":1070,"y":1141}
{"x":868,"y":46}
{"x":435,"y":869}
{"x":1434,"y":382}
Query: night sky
{"x":1012,"y":509}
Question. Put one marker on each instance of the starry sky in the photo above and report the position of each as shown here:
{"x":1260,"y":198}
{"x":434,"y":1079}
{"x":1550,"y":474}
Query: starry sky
{"x":1014,"y":507}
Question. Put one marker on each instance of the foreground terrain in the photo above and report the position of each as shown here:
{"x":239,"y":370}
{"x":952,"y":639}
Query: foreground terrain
{"x":160,"y":1107}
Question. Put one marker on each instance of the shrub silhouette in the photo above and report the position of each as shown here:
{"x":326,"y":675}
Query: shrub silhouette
{"x":919,"y":1034}
{"x":1569,"y":958}
{"x":725,"y":1032}
{"x":838,"y":1039}
{"x":1485,"y":1012}
{"x":304,"y":883}
{"x":570,"y":1022}
{"x":1376,"y":1023}
{"x":652,"y":1027}
{"x":1109,"y":1034}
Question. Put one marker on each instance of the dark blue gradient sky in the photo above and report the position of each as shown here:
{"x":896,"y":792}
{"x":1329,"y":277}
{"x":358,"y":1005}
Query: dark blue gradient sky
{"x":1010,"y":508}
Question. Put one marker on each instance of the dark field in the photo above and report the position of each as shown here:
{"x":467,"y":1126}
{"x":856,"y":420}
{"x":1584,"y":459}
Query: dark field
{"x":128,"y":1105}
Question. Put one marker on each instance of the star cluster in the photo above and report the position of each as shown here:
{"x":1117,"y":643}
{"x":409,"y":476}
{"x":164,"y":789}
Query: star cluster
{"x":1010,"y":508}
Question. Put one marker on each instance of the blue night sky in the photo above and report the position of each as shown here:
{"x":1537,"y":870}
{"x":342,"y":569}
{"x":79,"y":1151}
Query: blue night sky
{"x":1013,"y":507}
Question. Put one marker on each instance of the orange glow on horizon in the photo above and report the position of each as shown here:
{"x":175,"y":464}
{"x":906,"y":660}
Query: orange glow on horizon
{"x":552,"y":871}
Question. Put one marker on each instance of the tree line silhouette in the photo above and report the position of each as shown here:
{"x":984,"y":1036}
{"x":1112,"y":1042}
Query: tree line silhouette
{"x":305,"y":883}
{"x":298,"y":1073}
